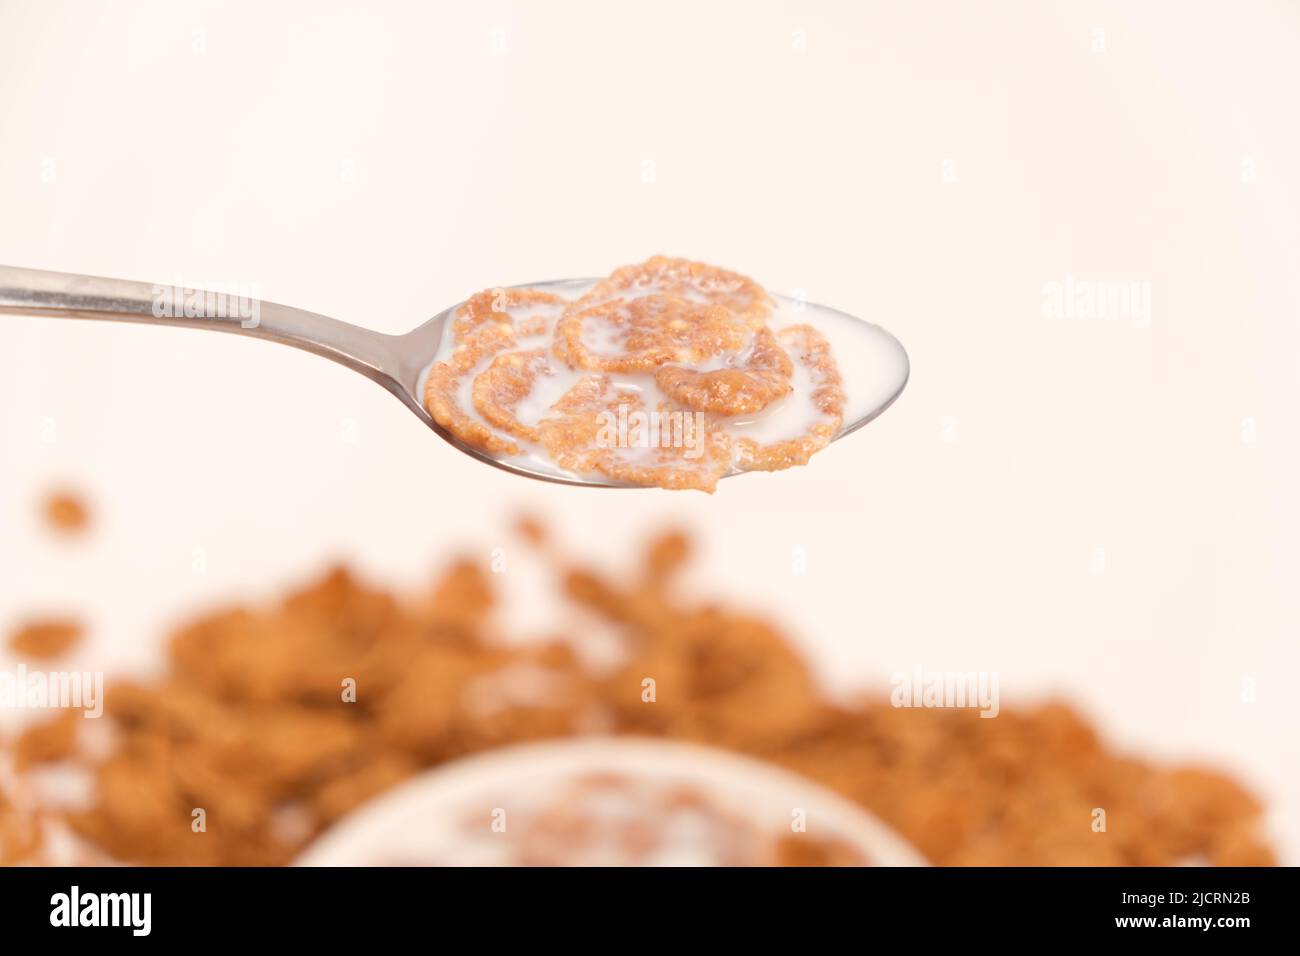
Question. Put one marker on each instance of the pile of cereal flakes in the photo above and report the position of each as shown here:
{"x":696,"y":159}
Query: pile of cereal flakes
{"x":248,"y":722}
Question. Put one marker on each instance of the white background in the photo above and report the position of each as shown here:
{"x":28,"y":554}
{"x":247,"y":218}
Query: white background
{"x":928,"y":166}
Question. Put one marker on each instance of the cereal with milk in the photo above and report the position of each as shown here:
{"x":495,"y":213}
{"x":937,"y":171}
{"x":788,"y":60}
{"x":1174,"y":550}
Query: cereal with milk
{"x":669,"y":374}
{"x":616,"y":819}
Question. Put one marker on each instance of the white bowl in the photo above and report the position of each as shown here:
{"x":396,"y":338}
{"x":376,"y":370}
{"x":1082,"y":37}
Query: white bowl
{"x":422,"y":821}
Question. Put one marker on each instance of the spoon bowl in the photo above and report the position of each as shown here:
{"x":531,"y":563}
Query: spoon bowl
{"x":399,"y":363}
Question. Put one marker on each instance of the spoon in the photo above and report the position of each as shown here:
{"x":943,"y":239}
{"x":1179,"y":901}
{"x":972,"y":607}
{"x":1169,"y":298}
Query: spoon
{"x":397,"y":362}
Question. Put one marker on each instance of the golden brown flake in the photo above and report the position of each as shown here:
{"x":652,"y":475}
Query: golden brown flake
{"x":607,"y":430}
{"x":442,"y":388}
{"x":48,"y":741}
{"x":692,"y":281}
{"x":498,"y":390}
{"x":499,"y":306}
{"x":66,"y":513}
{"x":642,"y":334}
{"x":812,"y":351}
{"x":750,"y":387}
{"x":46,"y":639}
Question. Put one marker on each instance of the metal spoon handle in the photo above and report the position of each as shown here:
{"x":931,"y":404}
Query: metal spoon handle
{"x":65,"y":295}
